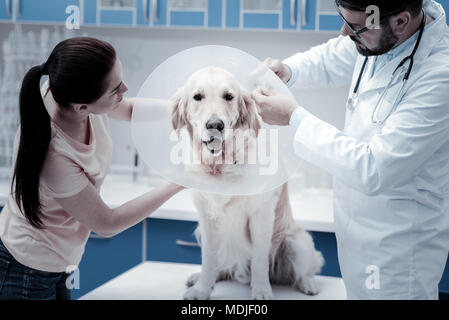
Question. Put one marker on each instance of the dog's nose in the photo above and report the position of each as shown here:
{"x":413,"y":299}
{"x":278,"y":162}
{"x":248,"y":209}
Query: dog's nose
{"x":216,"y":124}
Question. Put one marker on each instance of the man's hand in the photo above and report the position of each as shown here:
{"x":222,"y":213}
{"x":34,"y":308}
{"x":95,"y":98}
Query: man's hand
{"x":281,"y":69}
{"x":274,"y":108}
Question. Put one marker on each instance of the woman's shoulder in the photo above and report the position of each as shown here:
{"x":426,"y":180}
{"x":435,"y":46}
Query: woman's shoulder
{"x":100,"y":120}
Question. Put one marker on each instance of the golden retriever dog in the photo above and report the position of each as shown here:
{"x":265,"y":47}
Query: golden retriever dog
{"x":251,"y":239}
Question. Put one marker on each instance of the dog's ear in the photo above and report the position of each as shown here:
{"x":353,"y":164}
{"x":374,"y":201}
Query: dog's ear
{"x":248,"y":113}
{"x":178,"y":109}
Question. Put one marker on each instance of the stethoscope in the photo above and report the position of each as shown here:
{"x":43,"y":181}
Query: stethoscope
{"x":352,"y":100}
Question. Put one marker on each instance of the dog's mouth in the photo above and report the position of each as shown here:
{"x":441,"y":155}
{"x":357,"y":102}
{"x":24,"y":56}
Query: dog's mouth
{"x":213,"y":140}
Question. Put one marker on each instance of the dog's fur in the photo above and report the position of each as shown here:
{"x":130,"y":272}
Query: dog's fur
{"x":251,"y":239}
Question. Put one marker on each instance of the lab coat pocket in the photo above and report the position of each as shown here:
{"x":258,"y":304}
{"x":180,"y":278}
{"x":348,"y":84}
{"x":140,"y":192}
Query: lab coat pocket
{"x":4,"y":264}
{"x":388,"y":101}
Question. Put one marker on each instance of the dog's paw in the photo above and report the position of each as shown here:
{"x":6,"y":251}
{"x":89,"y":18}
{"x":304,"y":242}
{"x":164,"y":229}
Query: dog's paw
{"x":262,"y":294}
{"x":193,"y":279}
{"x":307,"y":285}
{"x":195,"y":293}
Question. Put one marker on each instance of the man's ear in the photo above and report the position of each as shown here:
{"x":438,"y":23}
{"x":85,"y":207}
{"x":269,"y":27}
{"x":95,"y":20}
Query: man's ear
{"x":178,"y":109}
{"x":400,"y":22}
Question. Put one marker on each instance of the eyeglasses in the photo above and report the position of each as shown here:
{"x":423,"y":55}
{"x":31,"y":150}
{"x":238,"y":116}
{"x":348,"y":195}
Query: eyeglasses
{"x":358,"y":33}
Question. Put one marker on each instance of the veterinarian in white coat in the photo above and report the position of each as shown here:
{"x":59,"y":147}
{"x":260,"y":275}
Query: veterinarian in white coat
{"x":390,"y":162}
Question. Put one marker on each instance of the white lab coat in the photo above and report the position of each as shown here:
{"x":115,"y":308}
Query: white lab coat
{"x":391,"y":181}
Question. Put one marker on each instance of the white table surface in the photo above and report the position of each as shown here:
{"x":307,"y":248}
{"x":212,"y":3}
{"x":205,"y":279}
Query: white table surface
{"x":166,"y":281}
{"x":312,"y":208}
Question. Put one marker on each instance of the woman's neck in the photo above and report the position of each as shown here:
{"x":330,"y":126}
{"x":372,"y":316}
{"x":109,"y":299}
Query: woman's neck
{"x":74,"y":124}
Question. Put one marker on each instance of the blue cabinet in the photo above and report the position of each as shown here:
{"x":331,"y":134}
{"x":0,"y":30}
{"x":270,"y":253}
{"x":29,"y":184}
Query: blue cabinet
{"x":153,"y":13}
{"x":216,"y":14}
{"x":106,"y":258}
{"x":145,"y":13}
{"x":90,"y":12}
{"x":326,"y":243}
{"x":189,"y":13}
{"x":44,"y":10}
{"x":159,"y":13}
{"x":232,"y":13}
{"x":112,"y":12}
{"x":252,"y":14}
{"x":6,"y":10}
{"x":293,"y":15}
{"x":290,"y":14}
{"x":172,"y":241}
{"x":142,"y":13}
{"x":308,"y":15}
{"x":328,"y":18}
{"x":261,"y":14}
{"x":116,"y":12}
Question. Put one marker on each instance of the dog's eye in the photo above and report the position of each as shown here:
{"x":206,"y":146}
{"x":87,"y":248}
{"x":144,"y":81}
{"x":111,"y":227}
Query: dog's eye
{"x":228,"y":97}
{"x":198,"y":97}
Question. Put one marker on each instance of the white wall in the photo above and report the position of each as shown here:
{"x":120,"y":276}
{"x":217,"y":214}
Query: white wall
{"x":141,"y":50}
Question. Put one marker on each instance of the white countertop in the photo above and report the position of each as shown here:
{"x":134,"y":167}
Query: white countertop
{"x":312,"y":208}
{"x":166,"y":281}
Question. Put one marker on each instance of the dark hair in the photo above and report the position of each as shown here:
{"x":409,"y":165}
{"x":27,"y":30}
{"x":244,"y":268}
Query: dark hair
{"x":386,"y":7}
{"x":77,"y":69}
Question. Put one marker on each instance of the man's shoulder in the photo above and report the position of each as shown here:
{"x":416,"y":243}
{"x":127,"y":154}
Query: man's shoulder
{"x":440,"y":52}
{"x":437,"y":62}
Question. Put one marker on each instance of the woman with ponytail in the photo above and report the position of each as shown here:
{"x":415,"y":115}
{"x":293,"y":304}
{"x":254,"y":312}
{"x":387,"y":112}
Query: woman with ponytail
{"x":62,"y":154}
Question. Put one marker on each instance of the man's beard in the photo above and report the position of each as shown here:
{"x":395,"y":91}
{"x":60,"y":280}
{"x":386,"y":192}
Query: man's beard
{"x":387,"y":41}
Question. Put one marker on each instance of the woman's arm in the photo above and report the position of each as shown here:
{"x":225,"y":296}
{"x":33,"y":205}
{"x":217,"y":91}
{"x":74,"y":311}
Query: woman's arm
{"x":88,"y":208}
{"x":125,"y":110}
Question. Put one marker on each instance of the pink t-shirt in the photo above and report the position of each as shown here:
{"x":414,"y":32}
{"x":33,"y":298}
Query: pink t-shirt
{"x":69,"y":167}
